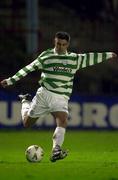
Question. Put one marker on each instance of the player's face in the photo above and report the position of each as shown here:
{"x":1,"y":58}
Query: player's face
{"x":61,"y":45}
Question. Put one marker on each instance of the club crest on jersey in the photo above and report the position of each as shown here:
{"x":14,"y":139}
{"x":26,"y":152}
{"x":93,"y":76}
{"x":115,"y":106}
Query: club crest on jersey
{"x":62,"y":69}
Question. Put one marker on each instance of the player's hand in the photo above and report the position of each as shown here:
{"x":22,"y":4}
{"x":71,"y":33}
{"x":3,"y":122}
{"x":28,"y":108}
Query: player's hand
{"x":114,"y":55}
{"x":4,"y":83}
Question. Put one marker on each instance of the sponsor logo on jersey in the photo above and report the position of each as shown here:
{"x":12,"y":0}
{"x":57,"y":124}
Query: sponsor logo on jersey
{"x":62,"y":69}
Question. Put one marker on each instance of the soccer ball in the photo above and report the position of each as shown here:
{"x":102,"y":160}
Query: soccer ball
{"x":34,"y":153}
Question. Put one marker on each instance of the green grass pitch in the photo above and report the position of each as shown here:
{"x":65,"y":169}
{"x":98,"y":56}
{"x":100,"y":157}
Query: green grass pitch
{"x":92,"y":155}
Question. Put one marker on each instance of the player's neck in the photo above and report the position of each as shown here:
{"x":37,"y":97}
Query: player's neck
{"x":56,"y":52}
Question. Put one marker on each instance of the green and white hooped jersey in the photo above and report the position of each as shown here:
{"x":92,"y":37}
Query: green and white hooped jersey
{"x":58,"y":70}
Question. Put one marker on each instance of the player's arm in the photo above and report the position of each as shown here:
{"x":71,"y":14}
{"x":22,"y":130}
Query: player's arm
{"x":89,"y":59}
{"x":36,"y":64}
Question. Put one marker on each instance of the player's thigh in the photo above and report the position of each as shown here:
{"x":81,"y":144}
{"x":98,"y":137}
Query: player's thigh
{"x":61,"y":118}
{"x":29,"y":121}
{"x":38,"y":106}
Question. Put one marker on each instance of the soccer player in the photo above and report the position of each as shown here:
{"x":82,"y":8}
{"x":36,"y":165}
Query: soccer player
{"x":58,"y":67}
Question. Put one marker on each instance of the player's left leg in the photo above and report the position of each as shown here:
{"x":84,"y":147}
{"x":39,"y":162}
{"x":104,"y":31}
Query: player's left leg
{"x":33,"y":109}
{"x":58,"y":136}
{"x":61,"y":121}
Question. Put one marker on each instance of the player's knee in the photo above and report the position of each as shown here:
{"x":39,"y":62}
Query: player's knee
{"x":26,"y":122}
{"x":26,"y":125}
{"x":63,"y":123}
{"x":29,"y":122}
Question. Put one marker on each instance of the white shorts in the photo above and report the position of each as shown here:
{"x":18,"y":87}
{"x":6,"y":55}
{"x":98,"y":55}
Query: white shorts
{"x":45,"y":102}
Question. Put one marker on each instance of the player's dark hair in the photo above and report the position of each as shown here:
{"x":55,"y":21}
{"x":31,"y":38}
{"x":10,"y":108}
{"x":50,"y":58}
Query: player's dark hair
{"x":62,"y":35}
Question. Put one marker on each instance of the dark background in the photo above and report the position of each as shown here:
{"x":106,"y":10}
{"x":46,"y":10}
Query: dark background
{"x":92,"y":24}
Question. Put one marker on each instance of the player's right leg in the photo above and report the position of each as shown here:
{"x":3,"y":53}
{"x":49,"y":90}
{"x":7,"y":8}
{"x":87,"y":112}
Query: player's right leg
{"x":27,"y":120}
